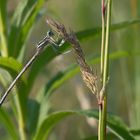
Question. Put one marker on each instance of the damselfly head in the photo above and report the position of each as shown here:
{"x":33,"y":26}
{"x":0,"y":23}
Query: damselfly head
{"x":50,"y":33}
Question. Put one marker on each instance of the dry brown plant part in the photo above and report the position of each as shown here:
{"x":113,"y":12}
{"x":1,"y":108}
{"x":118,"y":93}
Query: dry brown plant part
{"x":89,"y":77}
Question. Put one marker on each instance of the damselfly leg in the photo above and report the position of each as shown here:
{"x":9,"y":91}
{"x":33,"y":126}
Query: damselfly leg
{"x":53,"y":40}
{"x":60,"y":42}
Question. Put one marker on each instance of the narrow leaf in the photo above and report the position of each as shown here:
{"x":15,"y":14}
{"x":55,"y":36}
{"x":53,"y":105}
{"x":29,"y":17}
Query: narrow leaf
{"x":114,"y":123}
{"x":83,"y":35}
{"x":49,"y":123}
{"x":135,"y":132}
{"x":14,"y":67}
{"x":5,"y":119}
{"x":33,"y":115}
{"x":23,"y":21}
{"x":11,"y":65}
{"x":3,"y":28}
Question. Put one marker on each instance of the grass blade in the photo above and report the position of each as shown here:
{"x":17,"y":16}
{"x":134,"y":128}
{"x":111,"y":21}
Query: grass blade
{"x":33,"y":115}
{"x":89,"y":33}
{"x":3,"y":28}
{"x":8,"y":124}
{"x":49,"y":123}
{"x":13,"y":67}
{"x":23,"y":20}
{"x":114,"y":123}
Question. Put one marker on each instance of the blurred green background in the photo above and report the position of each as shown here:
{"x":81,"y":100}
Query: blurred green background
{"x":124,"y":80}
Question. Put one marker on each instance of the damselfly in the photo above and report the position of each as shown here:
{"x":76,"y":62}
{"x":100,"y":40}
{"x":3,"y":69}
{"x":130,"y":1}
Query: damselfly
{"x":48,"y":40}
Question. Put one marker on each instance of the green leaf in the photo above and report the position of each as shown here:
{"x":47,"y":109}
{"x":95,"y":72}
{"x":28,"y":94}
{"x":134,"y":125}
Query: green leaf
{"x":3,"y":28}
{"x":16,"y":26}
{"x":49,"y":123}
{"x":48,"y":54}
{"x":135,"y":132}
{"x":5,"y":119}
{"x":59,"y":79}
{"x":3,"y":15}
{"x":114,"y":123}
{"x":83,"y":35}
{"x":43,"y":59}
{"x":33,"y":115}
{"x":14,"y":67}
{"x":23,"y":21}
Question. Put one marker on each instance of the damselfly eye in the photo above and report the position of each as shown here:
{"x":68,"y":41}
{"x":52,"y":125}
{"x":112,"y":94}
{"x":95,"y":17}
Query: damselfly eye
{"x":50,"y":33}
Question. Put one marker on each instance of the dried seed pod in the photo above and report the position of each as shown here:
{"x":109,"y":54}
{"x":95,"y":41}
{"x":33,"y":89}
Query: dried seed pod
{"x":88,"y":75}
{"x":91,"y":81}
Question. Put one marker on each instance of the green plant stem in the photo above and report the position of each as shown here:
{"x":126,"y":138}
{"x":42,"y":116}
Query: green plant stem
{"x":103,"y":37}
{"x":105,"y":55}
{"x":102,"y":120}
{"x":21,"y":124}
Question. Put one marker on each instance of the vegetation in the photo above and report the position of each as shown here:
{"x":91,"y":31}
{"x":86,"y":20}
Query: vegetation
{"x":32,"y":110}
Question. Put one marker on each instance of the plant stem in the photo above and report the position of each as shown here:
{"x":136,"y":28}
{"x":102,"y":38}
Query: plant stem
{"x":103,"y":36}
{"x":104,"y":72}
{"x":106,"y":54}
{"x":21,"y":122}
